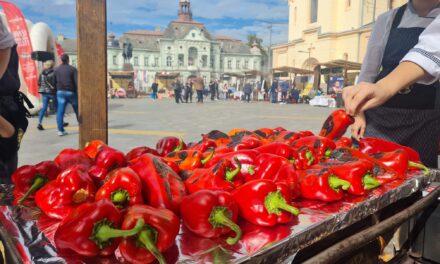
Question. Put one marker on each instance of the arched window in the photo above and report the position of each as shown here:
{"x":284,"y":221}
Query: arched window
{"x":169,"y":64}
{"x":192,"y":56}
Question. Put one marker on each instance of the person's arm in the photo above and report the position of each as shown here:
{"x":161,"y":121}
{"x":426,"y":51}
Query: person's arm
{"x":6,"y":129}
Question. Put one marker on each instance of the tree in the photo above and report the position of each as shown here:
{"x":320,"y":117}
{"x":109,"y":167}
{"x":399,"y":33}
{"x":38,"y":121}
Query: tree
{"x":252,"y":38}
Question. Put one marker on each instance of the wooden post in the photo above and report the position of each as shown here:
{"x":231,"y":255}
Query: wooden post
{"x":91,"y":23}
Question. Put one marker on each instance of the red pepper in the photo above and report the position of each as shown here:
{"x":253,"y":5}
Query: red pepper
{"x":92,"y":148}
{"x":123,"y":188}
{"x":246,"y":142}
{"x":169,"y":144}
{"x":382,"y":172}
{"x":256,"y":238}
{"x":156,"y":236}
{"x":223,"y":176}
{"x":322,"y":185}
{"x":320,"y":145}
{"x":279,"y":149}
{"x":211,"y":214}
{"x":188,"y":159}
{"x":286,"y":137}
{"x":238,"y":132}
{"x":71,"y":188}
{"x":264,"y":203}
{"x":204,"y":145}
{"x":305,"y":158}
{"x":376,"y":145}
{"x":139,"y":151}
{"x":264,"y":132}
{"x":358,"y":173}
{"x":28,"y":179}
{"x":220,"y":138}
{"x":161,"y":186}
{"x":106,"y":160}
{"x":69,"y":157}
{"x":398,"y":160}
{"x":305,"y":133}
{"x":336,"y":124}
{"x":287,"y":175}
{"x":279,"y":129}
{"x":344,"y":142}
{"x":89,"y":230}
{"x":246,"y":157}
{"x":267,"y":166}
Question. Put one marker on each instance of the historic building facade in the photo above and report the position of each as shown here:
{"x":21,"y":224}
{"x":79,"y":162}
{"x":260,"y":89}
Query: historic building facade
{"x":184,"y":49}
{"x":322,"y":31}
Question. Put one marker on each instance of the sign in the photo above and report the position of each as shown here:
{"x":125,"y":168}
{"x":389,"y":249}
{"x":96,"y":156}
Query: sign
{"x":335,"y":83}
{"x":18,"y":27}
{"x":60,"y":51}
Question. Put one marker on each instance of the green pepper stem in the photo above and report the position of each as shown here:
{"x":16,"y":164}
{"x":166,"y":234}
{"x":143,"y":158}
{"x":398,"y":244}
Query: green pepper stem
{"x":148,"y":238}
{"x":275,"y":201}
{"x":230,"y":175}
{"x":328,"y":152}
{"x":335,"y":182}
{"x":203,"y":161}
{"x":369,"y":182}
{"x":251,"y":169}
{"x":104,"y":232}
{"x":38,"y":182}
{"x":180,"y":146}
{"x":310,"y":157}
{"x":220,"y":216}
{"x":120,"y":198}
{"x":425,"y":169}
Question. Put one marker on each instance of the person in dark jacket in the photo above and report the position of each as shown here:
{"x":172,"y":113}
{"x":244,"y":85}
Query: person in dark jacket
{"x":274,"y":91}
{"x":66,"y":82}
{"x":212,"y":89}
{"x":188,"y":91}
{"x":178,"y":92}
{"x":46,"y":83}
{"x":154,"y":88}
{"x":247,"y":92}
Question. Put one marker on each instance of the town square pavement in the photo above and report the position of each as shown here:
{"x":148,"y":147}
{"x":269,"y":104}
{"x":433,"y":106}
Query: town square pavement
{"x":141,"y":122}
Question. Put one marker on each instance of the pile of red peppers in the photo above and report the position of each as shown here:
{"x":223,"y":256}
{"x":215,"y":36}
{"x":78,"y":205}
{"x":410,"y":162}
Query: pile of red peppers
{"x":136,"y":202}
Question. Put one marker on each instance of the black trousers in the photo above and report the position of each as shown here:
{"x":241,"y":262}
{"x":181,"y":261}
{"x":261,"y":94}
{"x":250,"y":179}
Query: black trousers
{"x":199,"y":96}
{"x":247,"y":97}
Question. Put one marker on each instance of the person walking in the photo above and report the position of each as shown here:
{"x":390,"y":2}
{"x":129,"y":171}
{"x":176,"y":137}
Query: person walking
{"x":274,"y":91}
{"x":199,"y":86}
{"x":217,"y":92}
{"x":66,"y":82}
{"x":188,"y":91}
{"x":178,"y":92}
{"x":154,"y":88}
{"x":46,"y":83}
{"x":284,"y":89}
{"x":247,"y":92}
{"x":212,"y":89}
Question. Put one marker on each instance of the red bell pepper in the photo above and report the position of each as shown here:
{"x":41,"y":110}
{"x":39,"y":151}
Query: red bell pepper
{"x":204,"y":145}
{"x":264,"y":203}
{"x":267,"y":166}
{"x":92,"y":148}
{"x":71,"y":188}
{"x":89,"y":230}
{"x":264,"y":132}
{"x":220,"y":138}
{"x":188,"y":159}
{"x":123,"y":188}
{"x":322,"y":185}
{"x":161,"y":186}
{"x":69,"y":157}
{"x":305,"y":133}
{"x":344,"y":142}
{"x":156,"y":236}
{"x":223,"y":176}
{"x":106,"y":160}
{"x":256,"y":238}
{"x":211,"y":214}
{"x":320,"y":145}
{"x":359,"y":174}
{"x":305,"y":157}
{"x":398,"y":160}
{"x":238,"y":132}
{"x":279,"y":149}
{"x":246,"y":142}
{"x":28,"y":179}
{"x":171,"y":164}
{"x":169,"y":144}
{"x":376,"y":145}
{"x":139,"y":151}
{"x":336,"y":124}
{"x":287,"y":175}
{"x":279,"y":129}
{"x":286,"y":137}
{"x":246,"y":157}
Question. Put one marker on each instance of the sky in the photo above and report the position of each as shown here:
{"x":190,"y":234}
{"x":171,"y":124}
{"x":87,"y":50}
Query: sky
{"x":234,"y":18}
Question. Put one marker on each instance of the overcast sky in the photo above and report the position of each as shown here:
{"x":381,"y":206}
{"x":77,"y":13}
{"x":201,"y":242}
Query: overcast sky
{"x":235,"y":18}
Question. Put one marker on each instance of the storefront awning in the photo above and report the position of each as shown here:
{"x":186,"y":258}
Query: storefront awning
{"x":348,"y":65}
{"x":292,"y":70}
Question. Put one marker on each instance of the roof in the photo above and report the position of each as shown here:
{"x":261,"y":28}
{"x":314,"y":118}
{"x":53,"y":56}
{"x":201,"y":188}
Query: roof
{"x":141,"y":41}
{"x":69,"y":45}
{"x":179,"y":29}
{"x":144,"y":32}
{"x":235,"y":47}
{"x":292,"y":70}
{"x":349,"y":65}
{"x":223,"y":37}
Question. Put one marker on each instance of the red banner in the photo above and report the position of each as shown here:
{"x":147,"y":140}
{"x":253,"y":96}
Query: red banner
{"x":18,"y":27}
{"x":60,"y":51}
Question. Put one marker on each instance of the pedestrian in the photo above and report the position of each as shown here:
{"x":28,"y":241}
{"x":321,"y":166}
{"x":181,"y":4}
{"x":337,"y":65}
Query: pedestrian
{"x":188,"y":91}
{"x":178,"y":92}
{"x":212,"y":89}
{"x":46,"y":83}
{"x":284,"y":90}
{"x":226,"y":90}
{"x":408,"y":116}
{"x":66,"y":82}
{"x":247,"y":92}
{"x":13,"y":121}
{"x":154,"y":88}
{"x":217,"y":92}
{"x":274,"y":91}
{"x":199,"y":86}
{"x":266,"y":90}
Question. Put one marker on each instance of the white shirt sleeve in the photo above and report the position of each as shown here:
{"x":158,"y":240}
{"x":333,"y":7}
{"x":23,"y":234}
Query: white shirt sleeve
{"x":376,"y":47}
{"x":6,"y":38}
{"x":427,"y":52}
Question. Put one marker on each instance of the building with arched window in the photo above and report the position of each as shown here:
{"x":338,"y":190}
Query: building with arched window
{"x":184,"y":49}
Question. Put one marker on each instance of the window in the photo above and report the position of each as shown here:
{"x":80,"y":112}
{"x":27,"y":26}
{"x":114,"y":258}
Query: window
{"x":255,"y":64}
{"x":204,"y":60}
{"x":146,"y":61}
{"x":238,"y":64}
{"x":169,"y":64}
{"x":115,"y":60}
{"x":313,"y":11}
{"x":246,"y":64}
{"x":192,"y":56}
{"x":156,"y":61}
{"x":181,"y":59}
{"x":229,"y":64}
{"x":74,"y":62}
{"x":212,"y":62}
{"x":136,"y":61}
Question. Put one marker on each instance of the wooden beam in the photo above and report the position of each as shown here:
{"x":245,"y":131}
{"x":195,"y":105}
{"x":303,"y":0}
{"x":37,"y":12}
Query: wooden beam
{"x":91,"y":23}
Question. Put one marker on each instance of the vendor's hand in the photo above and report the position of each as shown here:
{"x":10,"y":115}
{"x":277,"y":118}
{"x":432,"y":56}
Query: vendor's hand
{"x":363,"y":96}
{"x":358,"y":127}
